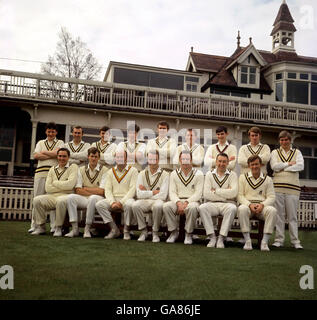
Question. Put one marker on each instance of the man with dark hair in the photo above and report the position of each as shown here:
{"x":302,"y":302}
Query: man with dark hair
{"x":45,"y":153}
{"x":256,"y":197}
{"x":89,"y":190}
{"x":135,"y":150}
{"x":78,"y":148}
{"x":165,"y":145}
{"x":222,"y":146}
{"x":106,"y":148}
{"x":220,"y":192}
{"x":194,"y":148}
{"x":255,"y":147}
{"x":151,"y":192}
{"x":60,"y":182}
{"x":119,"y":193}
{"x":286,"y":162}
{"x":185,"y":192}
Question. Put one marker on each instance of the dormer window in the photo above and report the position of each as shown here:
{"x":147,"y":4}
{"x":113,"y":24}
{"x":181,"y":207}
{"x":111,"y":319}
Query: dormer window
{"x":248,"y":75}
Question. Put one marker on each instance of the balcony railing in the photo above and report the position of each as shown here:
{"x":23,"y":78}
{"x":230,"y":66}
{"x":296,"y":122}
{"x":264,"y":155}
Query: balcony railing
{"x":64,"y":90}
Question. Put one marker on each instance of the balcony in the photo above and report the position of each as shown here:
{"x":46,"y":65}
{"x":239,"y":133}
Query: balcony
{"x":103,"y":95}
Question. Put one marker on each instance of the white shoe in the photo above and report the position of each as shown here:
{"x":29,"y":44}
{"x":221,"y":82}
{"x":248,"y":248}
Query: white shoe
{"x":188,"y":238}
{"x":264,"y":246}
{"x":143,"y":236}
{"x":298,"y":246}
{"x":248,"y":245}
{"x":155,"y":237}
{"x":173,"y":236}
{"x":39,"y":230}
{"x":72,"y":234}
{"x":220,"y":244}
{"x":53,"y":229}
{"x":32,"y":229}
{"x":126,"y":235}
{"x":241,"y":241}
{"x":212,"y":242}
{"x":277,"y":244}
{"x":114,"y":233}
{"x":195,"y":236}
{"x":87,"y":233}
{"x":228,"y":239}
{"x":58,"y":232}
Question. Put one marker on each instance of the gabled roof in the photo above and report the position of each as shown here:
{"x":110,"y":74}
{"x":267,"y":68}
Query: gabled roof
{"x":207,"y":62}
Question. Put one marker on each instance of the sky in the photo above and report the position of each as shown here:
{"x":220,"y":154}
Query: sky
{"x":149,"y":32}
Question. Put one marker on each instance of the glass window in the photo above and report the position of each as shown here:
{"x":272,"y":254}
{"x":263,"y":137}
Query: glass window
{"x":279,"y":91}
{"x":306,"y":151}
{"x":252,"y":78}
{"x":191,"y":87}
{"x":304,"y":76}
{"x":291,"y":75}
{"x":134,"y":77}
{"x":192,"y":79}
{"x":314,"y":94}
{"x":314,"y":77}
{"x":279,"y":76}
{"x":310,"y":169}
{"x":244,"y":78}
{"x":223,"y":92}
{"x":239,"y":94}
{"x":5,"y":154}
{"x":297,"y":92}
{"x":244,"y":69}
{"x":167,"y":81}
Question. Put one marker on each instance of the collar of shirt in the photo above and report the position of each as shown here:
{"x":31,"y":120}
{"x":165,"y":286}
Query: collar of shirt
{"x":81,"y":141}
{"x":66,"y":166}
{"x":183,"y":174}
{"x":215,"y":172}
{"x":260,"y":177}
{"x":290,"y":150}
{"x":185,"y":145}
{"x":55,"y":139}
{"x":155,"y":173}
{"x":258,"y":145}
{"x":125,"y":169}
{"x":222,"y":145}
{"x":96,"y":168}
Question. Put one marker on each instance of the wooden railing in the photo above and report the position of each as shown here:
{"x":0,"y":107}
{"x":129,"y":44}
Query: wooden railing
{"x":42,"y":87}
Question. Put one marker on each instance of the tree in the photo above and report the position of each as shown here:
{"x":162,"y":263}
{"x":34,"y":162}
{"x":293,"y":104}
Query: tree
{"x":72,"y":59}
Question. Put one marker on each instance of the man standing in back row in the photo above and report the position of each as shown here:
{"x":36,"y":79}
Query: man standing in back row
{"x":286,"y":162}
{"x":46,"y":154}
{"x":166,"y":146}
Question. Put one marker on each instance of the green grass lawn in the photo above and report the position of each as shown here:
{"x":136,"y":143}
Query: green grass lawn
{"x":61,"y":268}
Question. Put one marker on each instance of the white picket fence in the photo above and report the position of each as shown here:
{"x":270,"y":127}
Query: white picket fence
{"x":16,"y":204}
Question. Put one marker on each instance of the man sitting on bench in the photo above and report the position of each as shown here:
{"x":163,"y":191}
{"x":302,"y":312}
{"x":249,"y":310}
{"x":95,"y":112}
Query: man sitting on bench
{"x":60,"y":182}
{"x":185,"y":192}
{"x":151,"y":191}
{"x":220,"y":192}
{"x":119,"y":193}
{"x":256,"y":197}
{"x":88,"y":191}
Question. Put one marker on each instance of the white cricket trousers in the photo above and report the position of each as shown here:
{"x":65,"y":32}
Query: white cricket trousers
{"x":213,"y":209}
{"x":47,"y":202}
{"x":76,"y":201}
{"x":286,"y":204}
{"x":139,"y":207}
{"x":268,"y":215}
{"x":172,"y":220}
{"x":38,"y":190}
{"x":103,"y":208}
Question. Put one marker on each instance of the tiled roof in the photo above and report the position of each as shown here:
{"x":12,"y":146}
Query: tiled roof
{"x":207,"y":62}
{"x":283,"y":15}
{"x":283,"y":26}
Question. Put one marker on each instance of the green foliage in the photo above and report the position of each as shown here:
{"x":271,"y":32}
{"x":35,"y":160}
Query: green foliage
{"x":61,"y":268}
